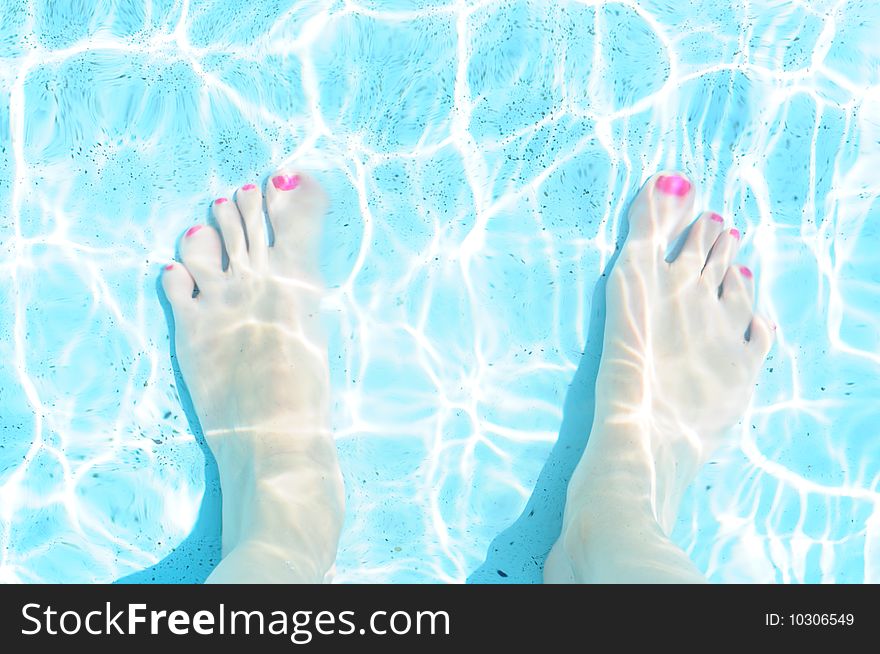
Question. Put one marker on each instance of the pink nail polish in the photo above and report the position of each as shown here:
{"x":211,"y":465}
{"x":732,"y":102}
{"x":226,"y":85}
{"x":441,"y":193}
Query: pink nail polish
{"x":714,"y":216}
{"x":773,"y":325}
{"x":673,"y":185}
{"x":734,"y":233}
{"x":745,"y":272}
{"x":248,"y":187}
{"x":169,"y":266}
{"x":193,"y":230}
{"x":220,"y":200}
{"x":285,"y":182}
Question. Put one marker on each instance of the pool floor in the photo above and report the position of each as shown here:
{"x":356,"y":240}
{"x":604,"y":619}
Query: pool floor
{"x":479,"y":157}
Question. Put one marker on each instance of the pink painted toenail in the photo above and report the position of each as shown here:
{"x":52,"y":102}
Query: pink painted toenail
{"x":193,"y":230}
{"x":773,"y":325}
{"x":745,"y":272}
{"x":734,"y":232}
{"x":169,"y":266}
{"x":673,"y":185}
{"x":220,"y":200}
{"x":248,"y":187}
{"x":286,"y":182}
{"x":716,"y":217}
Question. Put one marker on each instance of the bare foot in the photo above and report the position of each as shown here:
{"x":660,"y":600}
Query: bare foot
{"x":681,"y":354}
{"x":254,"y":359}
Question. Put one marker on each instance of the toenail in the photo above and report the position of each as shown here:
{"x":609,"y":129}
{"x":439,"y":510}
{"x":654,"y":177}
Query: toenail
{"x":169,"y":266}
{"x":734,"y":232}
{"x":193,"y":230}
{"x":286,"y":182}
{"x":716,"y":217}
{"x":745,"y":272}
{"x":773,"y":325}
{"x":248,"y":187}
{"x":220,"y":200}
{"x":673,"y":185}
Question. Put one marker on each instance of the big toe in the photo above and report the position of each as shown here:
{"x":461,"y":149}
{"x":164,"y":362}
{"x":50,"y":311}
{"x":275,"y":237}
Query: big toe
{"x":296,"y":204}
{"x":661,"y":210}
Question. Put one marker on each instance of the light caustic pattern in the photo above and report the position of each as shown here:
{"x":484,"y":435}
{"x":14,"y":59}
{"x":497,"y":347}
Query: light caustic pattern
{"x":479,"y":157}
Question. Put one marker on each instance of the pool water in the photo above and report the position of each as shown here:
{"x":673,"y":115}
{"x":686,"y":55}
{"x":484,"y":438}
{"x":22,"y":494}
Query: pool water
{"x":480,"y":157}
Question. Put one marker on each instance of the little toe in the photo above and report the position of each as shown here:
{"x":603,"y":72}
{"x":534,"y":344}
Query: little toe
{"x":250,"y":204}
{"x":762,"y":334}
{"x":704,"y":232}
{"x":738,"y":296}
{"x":179,"y":286}
{"x":228,"y":218}
{"x":296,"y":204}
{"x":720,"y":257}
{"x":200,"y":251}
{"x":661,"y":210}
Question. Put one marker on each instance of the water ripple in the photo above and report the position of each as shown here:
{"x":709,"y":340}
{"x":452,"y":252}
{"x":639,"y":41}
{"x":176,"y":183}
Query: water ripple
{"x":480,"y":156}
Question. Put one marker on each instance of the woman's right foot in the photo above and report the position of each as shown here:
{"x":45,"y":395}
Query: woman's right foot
{"x":681,"y":354}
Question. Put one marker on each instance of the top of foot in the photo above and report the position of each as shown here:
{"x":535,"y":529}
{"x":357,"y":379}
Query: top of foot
{"x":247,"y":334}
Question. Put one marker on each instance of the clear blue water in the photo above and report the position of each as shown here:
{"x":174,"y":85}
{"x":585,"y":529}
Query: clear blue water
{"x":480,"y":156}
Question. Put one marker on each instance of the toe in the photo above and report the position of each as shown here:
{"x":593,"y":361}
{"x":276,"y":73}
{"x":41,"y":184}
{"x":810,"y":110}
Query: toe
{"x":227,"y":216}
{"x":296,"y":204}
{"x":702,"y":235}
{"x":738,"y":296}
{"x":179,"y":287}
{"x":661,"y":210}
{"x":200,"y":251}
{"x":720,"y":257}
{"x":250,"y":204}
{"x":762,"y":334}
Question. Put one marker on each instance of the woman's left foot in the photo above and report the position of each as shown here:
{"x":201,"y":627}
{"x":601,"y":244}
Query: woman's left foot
{"x":253,"y":356}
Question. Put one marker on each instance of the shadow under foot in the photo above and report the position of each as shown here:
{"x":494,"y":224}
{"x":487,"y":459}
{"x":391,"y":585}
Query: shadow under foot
{"x":517,"y":554}
{"x":199,"y":553}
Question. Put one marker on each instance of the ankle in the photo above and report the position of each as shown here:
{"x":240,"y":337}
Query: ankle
{"x":628,"y":468}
